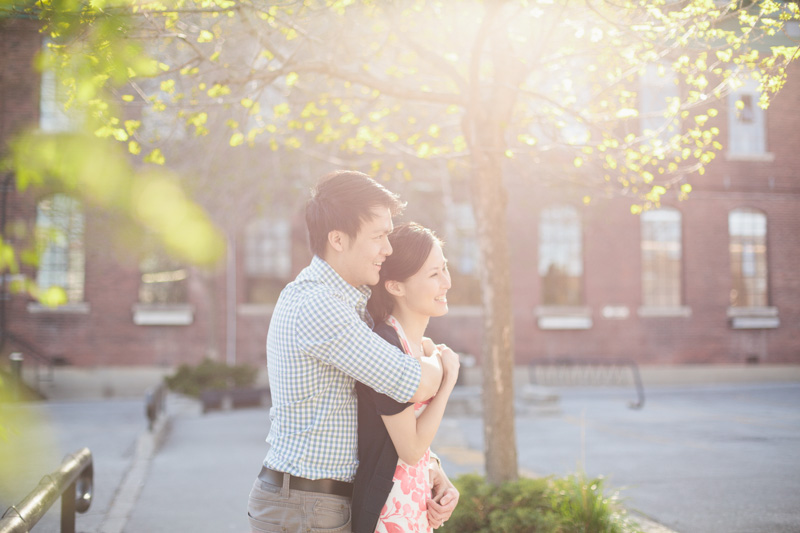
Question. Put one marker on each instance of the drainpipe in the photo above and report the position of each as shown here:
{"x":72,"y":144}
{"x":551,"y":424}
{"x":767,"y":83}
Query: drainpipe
{"x":3,"y":275}
{"x":230,"y":337}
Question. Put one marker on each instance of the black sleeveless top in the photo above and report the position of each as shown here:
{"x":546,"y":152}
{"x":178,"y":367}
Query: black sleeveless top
{"x":377,"y":457}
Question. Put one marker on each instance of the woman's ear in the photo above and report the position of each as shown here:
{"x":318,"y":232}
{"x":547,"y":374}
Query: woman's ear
{"x":395,"y":288}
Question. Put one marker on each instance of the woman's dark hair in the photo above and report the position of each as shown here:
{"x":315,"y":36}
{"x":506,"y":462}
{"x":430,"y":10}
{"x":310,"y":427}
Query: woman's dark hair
{"x":341,"y":201}
{"x":411,"y":245}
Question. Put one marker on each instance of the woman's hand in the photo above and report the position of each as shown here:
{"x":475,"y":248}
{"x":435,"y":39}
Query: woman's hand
{"x":450,"y":364}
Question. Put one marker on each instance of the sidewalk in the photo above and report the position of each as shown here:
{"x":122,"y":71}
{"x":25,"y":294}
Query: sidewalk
{"x":194,"y":472}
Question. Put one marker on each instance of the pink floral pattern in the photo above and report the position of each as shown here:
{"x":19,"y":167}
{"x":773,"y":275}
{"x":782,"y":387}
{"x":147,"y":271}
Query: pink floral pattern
{"x":406,"y":508}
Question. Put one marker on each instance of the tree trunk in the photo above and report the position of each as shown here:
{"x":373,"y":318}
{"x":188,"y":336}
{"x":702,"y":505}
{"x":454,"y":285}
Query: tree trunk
{"x":492,"y":94}
{"x":489,"y":203}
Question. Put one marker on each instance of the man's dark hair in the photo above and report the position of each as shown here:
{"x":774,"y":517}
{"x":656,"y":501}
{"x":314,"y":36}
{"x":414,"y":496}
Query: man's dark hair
{"x":341,"y":201}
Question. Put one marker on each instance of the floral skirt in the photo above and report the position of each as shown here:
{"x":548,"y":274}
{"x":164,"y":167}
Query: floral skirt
{"x":406,"y":508}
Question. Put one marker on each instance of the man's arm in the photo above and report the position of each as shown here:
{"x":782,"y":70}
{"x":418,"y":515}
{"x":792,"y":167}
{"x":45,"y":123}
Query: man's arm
{"x":331,"y":331}
{"x":430,"y":381}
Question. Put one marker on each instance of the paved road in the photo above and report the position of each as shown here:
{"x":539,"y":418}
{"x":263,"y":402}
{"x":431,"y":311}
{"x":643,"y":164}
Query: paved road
{"x":701,"y":459}
{"x":698,"y":460}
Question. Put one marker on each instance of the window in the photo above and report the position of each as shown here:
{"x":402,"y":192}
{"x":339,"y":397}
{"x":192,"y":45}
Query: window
{"x":561,"y":256}
{"x":52,"y":116}
{"x":163,"y":281}
{"x":59,"y":235}
{"x":746,"y":121}
{"x":267,"y":259}
{"x":463,"y":255}
{"x":658,"y":94}
{"x":661,"y":258}
{"x":747,"y":229}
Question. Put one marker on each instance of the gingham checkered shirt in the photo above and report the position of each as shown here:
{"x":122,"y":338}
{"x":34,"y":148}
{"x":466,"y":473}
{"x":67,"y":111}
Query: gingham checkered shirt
{"x":319,"y":342}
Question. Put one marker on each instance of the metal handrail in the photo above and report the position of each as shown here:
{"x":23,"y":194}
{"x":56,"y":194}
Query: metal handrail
{"x":593,"y":371}
{"x":39,"y":358}
{"x":72,"y":482}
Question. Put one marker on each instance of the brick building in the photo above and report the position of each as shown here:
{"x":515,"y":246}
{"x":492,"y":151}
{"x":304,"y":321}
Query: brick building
{"x":708,"y":280}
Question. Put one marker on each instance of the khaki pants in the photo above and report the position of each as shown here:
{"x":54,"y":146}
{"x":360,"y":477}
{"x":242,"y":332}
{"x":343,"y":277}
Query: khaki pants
{"x":278,"y":509}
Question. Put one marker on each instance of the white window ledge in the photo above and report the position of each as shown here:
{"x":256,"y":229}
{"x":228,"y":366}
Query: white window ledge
{"x":75,"y":308}
{"x":754,"y":317}
{"x":464,"y":311}
{"x":563,"y":317}
{"x":255,"y":309}
{"x":615,"y":312}
{"x":766,"y":157}
{"x":163,"y":314}
{"x":681,"y":311}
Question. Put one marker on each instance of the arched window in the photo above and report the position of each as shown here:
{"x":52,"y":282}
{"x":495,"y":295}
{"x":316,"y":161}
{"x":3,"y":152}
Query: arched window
{"x":267,"y":258}
{"x":60,"y":239}
{"x":747,"y":229}
{"x":561,"y":256}
{"x":661,"y":257}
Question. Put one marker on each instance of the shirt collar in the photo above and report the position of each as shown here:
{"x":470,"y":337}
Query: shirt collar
{"x":356,"y":296}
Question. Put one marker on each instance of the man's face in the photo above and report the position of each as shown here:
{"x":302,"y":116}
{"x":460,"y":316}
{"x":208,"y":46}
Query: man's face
{"x":363,"y":255}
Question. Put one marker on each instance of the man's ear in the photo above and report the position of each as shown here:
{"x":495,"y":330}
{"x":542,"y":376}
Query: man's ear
{"x":336,"y":239}
{"x":395,"y":288}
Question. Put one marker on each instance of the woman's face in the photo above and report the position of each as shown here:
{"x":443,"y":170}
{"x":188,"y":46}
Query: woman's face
{"x":425,"y":292}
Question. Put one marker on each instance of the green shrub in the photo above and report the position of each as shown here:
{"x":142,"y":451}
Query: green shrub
{"x":210,"y":374}
{"x":584,"y":508}
{"x":568,"y":505}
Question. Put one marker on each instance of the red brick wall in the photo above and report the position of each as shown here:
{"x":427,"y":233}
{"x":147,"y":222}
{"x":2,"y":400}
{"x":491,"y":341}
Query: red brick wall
{"x":106,"y":334}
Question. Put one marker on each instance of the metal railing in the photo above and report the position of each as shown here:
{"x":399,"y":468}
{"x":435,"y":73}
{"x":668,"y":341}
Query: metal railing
{"x":72,"y":482}
{"x":34,"y":354}
{"x":589,"y":372}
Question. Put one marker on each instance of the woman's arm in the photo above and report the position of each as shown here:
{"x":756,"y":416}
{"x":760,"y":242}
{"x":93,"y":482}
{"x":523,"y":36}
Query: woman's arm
{"x":412,"y":436}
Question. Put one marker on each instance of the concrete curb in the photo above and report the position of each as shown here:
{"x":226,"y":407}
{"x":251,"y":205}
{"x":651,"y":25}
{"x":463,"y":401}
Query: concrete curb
{"x":128,"y":492}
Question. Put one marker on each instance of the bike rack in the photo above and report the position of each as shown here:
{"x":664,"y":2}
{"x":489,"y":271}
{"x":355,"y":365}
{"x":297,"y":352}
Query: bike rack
{"x":588,"y":372}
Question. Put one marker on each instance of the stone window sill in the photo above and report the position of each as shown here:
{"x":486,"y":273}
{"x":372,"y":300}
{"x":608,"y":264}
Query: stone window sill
{"x":563,"y":317}
{"x":766,"y":157}
{"x":163,"y":314}
{"x":665,"y":312}
{"x":75,"y":308}
{"x":753,"y":317}
{"x":255,"y":309}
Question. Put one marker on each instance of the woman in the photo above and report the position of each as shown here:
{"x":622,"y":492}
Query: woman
{"x":392,"y":484}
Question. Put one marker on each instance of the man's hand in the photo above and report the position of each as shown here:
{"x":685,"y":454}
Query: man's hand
{"x":444,"y":497}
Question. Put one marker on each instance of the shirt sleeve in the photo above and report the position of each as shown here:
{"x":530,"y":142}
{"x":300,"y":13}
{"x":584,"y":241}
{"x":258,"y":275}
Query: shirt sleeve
{"x":331,"y":331}
{"x":384,"y":404}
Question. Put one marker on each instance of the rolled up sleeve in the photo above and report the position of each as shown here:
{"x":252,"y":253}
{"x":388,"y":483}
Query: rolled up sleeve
{"x":332,"y":332}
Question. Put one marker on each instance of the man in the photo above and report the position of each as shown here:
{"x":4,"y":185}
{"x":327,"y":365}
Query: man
{"x":319,"y":343}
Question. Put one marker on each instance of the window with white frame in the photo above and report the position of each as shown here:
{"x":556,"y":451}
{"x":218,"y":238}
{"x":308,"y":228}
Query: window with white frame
{"x":661,"y":258}
{"x":267,"y":259}
{"x":658,"y":100}
{"x":163,"y":280}
{"x":463,"y":255}
{"x":561,"y":256}
{"x":60,"y":241}
{"x":747,"y":229}
{"x":746,"y":121}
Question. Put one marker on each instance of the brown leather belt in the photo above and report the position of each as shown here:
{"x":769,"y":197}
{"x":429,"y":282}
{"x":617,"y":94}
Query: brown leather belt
{"x":325,"y":486}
